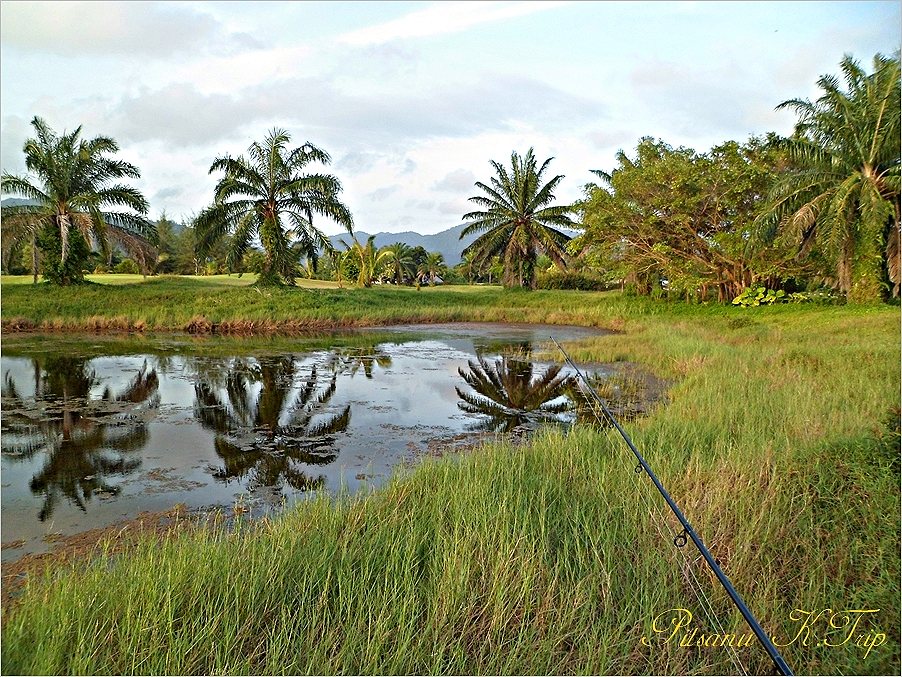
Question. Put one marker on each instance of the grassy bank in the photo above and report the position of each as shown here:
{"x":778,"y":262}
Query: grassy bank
{"x":222,"y":305}
{"x":780,"y":442}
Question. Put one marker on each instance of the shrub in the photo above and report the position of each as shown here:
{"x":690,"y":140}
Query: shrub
{"x":762,"y":296}
{"x":70,"y":272}
{"x":569,"y":279}
{"x":126,"y":266}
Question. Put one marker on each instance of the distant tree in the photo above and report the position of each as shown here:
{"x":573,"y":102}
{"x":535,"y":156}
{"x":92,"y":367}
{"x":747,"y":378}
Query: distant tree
{"x":843,"y":198}
{"x":267,"y":196}
{"x":684,"y":217}
{"x":185,"y":256}
{"x":433,"y":267}
{"x":399,"y":259}
{"x":365,"y":259}
{"x":69,"y":203}
{"x":519,"y":220}
{"x":166,"y":245}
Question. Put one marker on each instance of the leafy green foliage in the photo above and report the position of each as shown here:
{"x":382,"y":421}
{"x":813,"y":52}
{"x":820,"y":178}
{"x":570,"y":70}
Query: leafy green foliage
{"x":684,"y":219}
{"x":518,"y":220}
{"x":572,"y":279}
{"x":127,"y":267}
{"x":840,"y":197}
{"x":752,"y":297}
{"x":56,"y":269}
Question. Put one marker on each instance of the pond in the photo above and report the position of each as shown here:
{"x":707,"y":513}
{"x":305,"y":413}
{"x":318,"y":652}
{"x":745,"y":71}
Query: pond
{"x":97,"y":430}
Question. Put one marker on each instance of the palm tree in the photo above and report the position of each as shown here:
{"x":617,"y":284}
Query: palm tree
{"x":433,"y":267}
{"x":266,"y":196}
{"x":365,"y":259}
{"x":68,"y":204}
{"x":844,"y":198}
{"x":399,"y":258}
{"x":519,"y":220}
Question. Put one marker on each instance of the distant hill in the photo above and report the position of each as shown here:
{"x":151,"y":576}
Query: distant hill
{"x":447,"y":242}
{"x":16,"y":202}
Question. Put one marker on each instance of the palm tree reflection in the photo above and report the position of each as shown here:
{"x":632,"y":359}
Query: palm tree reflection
{"x":267,"y":428}
{"x":514,"y":394}
{"x":75,"y":432}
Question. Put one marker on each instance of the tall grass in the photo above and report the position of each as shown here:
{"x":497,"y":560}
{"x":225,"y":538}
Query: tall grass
{"x":780,"y":441}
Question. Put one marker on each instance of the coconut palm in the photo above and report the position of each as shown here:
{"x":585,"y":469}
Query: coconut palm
{"x":267,"y":196}
{"x":843,"y":199}
{"x":519,"y":220}
{"x":399,"y":259}
{"x":68,"y":203}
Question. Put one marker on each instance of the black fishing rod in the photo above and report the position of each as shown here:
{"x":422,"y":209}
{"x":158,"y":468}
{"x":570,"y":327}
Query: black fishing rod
{"x":688,"y":531}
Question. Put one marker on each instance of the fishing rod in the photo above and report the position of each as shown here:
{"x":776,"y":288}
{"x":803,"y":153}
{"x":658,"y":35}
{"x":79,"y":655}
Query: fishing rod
{"x":688,"y":531}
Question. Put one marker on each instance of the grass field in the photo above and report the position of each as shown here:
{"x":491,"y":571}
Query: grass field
{"x":780,"y":441}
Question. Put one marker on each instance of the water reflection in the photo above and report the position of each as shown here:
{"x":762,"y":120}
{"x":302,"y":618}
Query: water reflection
{"x":513,"y":393}
{"x":84,"y":440}
{"x":516,"y":394}
{"x":352,"y":359}
{"x":267,"y":427}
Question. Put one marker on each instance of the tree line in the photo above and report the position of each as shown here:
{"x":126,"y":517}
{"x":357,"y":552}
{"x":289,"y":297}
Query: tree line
{"x":818,"y":210}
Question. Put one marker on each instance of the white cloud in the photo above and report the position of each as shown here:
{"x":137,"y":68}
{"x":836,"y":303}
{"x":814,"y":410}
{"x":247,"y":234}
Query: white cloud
{"x":459,"y":179}
{"x":442,"y":18}
{"x":98,"y":28}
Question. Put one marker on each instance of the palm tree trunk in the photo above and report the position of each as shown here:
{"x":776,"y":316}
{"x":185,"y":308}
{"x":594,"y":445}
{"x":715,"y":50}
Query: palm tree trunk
{"x":892,"y":257}
{"x":866,"y":271}
{"x":34,"y":258}
{"x":64,"y":224}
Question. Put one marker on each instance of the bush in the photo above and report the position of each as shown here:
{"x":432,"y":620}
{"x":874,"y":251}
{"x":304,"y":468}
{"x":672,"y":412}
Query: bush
{"x":70,"y":272}
{"x":761,"y":296}
{"x":557,"y":279}
{"x":126,"y":266}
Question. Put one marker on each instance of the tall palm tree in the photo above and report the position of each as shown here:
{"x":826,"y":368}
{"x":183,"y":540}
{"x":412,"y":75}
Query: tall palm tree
{"x":519,"y":220}
{"x":69,"y":202}
{"x":844,"y":197}
{"x":267,"y":196}
{"x":399,"y":259}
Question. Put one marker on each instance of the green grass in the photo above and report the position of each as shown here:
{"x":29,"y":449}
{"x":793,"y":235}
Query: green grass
{"x":780,"y":441}
{"x":203,"y":305}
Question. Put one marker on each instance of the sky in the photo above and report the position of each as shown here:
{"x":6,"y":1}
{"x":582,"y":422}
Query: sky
{"x":412,"y":100}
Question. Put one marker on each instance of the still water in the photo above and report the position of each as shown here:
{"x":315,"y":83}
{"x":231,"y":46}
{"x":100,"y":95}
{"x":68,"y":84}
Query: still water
{"x":97,"y":431}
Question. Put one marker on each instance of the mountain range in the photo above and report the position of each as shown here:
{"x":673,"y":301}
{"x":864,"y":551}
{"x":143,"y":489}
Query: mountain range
{"x":447,"y":242}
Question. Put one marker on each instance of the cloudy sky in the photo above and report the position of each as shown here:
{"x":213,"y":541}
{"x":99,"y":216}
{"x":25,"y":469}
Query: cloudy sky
{"x":412,"y":99}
